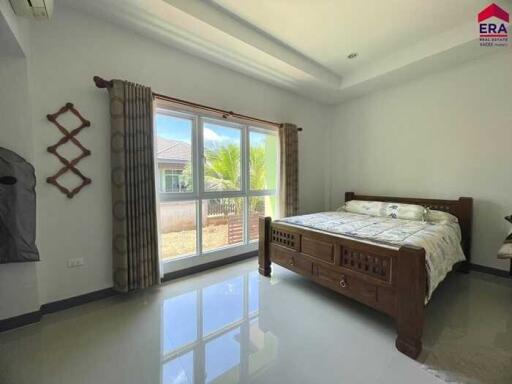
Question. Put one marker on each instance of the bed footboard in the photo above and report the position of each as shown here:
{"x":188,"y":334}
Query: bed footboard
{"x":389,"y":279}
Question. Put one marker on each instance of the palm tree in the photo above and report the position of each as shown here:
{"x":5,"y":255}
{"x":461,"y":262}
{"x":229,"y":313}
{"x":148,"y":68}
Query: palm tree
{"x":258,"y":174}
{"x":222,"y":172}
{"x":222,"y":168}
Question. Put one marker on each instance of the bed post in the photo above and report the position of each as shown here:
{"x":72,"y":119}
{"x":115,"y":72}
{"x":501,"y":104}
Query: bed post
{"x":411,"y":288}
{"x":264,"y":246}
{"x":465,"y":220}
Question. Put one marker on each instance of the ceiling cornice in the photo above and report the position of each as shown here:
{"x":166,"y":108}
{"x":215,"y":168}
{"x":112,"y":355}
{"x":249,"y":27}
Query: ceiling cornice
{"x":227,"y":22}
{"x":207,"y":30}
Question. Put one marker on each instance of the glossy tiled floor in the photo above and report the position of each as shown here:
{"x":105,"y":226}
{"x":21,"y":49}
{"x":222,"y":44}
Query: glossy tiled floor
{"x":231,"y":325}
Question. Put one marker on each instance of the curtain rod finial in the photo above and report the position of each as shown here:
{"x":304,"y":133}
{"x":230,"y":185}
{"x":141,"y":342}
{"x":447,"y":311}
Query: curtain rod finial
{"x":102,"y":83}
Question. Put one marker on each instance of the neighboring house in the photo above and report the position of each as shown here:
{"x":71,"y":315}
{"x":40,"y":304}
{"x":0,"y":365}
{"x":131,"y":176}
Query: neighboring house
{"x":172,"y":158}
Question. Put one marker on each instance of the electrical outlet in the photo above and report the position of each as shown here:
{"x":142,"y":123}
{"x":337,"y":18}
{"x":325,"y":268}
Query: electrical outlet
{"x":78,"y":262}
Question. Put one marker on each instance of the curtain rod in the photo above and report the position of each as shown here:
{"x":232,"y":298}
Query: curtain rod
{"x":102,"y":83}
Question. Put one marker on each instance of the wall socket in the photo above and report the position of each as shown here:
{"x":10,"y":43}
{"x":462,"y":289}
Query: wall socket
{"x":78,"y":262}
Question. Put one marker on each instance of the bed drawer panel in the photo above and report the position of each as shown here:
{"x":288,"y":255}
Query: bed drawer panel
{"x":291,"y":260}
{"x":376,"y":266}
{"x":285,"y":238}
{"x":347,"y":284}
{"x":318,"y":249}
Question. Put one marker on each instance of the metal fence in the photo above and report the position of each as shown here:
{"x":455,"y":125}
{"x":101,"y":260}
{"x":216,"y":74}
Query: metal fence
{"x":223,"y":207}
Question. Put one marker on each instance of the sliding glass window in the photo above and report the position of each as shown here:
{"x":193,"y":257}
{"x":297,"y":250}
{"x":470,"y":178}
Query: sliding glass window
{"x":215,"y":179}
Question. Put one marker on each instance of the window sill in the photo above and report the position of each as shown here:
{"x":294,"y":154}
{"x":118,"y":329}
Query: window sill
{"x":178,"y":264}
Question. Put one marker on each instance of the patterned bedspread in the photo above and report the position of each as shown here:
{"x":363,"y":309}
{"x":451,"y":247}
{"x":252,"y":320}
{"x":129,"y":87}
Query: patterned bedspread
{"x":440,"y":241}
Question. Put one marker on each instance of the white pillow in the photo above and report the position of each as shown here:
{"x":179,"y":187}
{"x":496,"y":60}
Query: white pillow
{"x":382,"y":209}
{"x":406,"y":211}
{"x":441,"y":217}
{"x":372,"y":208}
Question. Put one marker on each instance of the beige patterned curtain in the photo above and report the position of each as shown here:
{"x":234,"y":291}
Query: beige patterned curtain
{"x":289,"y":168}
{"x":134,"y":224}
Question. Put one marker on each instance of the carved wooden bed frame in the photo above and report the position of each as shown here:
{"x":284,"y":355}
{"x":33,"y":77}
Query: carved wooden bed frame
{"x":391,"y":279}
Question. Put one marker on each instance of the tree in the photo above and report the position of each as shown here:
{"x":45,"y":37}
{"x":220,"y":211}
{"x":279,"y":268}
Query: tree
{"x":222,"y":171}
{"x":222,"y":168}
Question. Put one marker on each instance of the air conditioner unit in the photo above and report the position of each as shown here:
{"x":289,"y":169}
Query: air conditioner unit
{"x":36,"y":9}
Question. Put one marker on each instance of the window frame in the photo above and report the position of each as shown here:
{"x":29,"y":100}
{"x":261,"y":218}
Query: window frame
{"x":170,"y":173}
{"x":199,"y":193}
{"x":180,"y":196}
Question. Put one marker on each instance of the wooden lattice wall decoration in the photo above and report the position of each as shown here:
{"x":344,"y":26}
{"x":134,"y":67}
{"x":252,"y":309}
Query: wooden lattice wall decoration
{"x":69,"y":136}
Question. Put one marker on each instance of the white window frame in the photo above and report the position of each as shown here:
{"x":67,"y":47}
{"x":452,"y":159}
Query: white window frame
{"x":198,"y":194}
{"x":173,"y":176}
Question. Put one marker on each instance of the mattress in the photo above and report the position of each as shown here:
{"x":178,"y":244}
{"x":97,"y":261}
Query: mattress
{"x":440,"y":241}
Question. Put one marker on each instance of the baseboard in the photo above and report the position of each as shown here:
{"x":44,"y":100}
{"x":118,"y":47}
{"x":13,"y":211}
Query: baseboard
{"x":491,"y":271}
{"x":20,"y":321}
{"x":203,"y":267}
{"x":61,"y":305}
{"x":55,"y":306}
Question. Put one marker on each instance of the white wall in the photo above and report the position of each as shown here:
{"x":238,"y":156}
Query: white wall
{"x":18,"y":282}
{"x":445,"y":135}
{"x":66,"y":53}
{"x":14,"y":32}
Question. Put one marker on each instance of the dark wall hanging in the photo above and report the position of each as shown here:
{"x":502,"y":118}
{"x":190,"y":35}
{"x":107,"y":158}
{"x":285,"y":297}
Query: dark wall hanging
{"x":17,"y":209}
{"x":69,"y":165}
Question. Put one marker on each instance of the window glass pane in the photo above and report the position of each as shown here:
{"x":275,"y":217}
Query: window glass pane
{"x":223,"y":222}
{"x":180,"y":321}
{"x":263,"y":162}
{"x":177,"y":228}
{"x":223,"y":358}
{"x":173,"y":153}
{"x":254,"y":292}
{"x":179,"y":370}
{"x":222,"y":304}
{"x":221,"y":157}
{"x":260,"y":206}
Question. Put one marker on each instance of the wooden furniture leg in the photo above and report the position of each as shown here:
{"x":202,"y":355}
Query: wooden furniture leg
{"x":264,"y":246}
{"x":411,"y":287}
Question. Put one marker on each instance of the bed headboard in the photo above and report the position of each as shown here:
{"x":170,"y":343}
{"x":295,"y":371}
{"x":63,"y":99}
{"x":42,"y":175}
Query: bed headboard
{"x":461,"y":208}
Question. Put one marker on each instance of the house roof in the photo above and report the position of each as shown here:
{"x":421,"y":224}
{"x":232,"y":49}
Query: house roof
{"x":493,"y":10}
{"x":173,"y":150}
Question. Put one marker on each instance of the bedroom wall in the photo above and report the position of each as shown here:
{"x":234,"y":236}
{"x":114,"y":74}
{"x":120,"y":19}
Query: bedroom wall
{"x":66,"y":53}
{"x":445,"y":135}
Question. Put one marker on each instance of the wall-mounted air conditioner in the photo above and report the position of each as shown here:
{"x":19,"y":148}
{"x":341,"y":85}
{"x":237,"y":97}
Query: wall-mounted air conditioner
{"x":36,"y":9}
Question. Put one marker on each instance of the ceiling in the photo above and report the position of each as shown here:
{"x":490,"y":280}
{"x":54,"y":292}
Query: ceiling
{"x":302,"y":45}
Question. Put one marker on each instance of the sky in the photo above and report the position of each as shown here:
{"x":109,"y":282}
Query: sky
{"x":175,"y":128}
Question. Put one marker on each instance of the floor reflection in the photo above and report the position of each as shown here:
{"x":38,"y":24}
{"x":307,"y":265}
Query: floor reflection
{"x":212,"y":334}
{"x":231,"y":325}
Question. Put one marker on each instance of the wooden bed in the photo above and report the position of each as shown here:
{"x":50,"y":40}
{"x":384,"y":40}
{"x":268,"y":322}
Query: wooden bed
{"x":391,"y":279}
